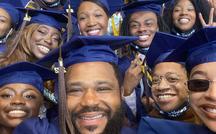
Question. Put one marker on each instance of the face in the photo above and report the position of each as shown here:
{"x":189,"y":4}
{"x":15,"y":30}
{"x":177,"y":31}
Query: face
{"x":92,"y":19}
{"x":144,"y":25}
{"x":43,"y":40}
{"x":184,"y":15}
{"x":168,"y":85}
{"x":5,"y":22}
{"x":204,"y":102}
{"x":18,"y":102}
{"x":93,"y":98}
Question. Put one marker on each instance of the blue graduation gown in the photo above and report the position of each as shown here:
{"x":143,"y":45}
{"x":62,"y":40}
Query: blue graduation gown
{"x":160,"y":126}
{"x":123,"y":65}
{"x":2,"y":48}
{"x":37,"y":126}
{"x":43,"y":126}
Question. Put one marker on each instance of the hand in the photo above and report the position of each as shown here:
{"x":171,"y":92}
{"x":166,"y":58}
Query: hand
{"x":211,"y":19}
{"x":132,"y":77}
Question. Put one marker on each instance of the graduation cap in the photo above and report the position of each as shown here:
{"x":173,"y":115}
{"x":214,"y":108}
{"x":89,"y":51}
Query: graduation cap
{"x":162,"y":45}
{"x":13,"y":12}
{"x":26,"y":73}
{"x":143,"y":5}
{"x":111,"y":5}
{"x":54,"y":19}
{"x":77,"y":50}
{"x":88,"y":48}
{"x":199,"y":48}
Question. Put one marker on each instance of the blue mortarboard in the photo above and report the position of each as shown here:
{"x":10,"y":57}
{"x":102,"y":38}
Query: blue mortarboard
{"x":162,"y":45}
{"x":54,"y":19}
{"x":27,"y":73}
{"x":89,"y":48}
{"x":111,"y":5}
{"x":143,"y":5}
{"x":13,"y":12}
{"x":199,"y":48}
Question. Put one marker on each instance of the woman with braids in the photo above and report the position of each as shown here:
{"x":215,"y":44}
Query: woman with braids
{"x":41,"y":35}
{"x":142,"y":19}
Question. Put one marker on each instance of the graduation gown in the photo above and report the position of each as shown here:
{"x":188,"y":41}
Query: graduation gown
{"x":160,"y":126}
{"x":123,"y":65}
{"x":44,"y":126}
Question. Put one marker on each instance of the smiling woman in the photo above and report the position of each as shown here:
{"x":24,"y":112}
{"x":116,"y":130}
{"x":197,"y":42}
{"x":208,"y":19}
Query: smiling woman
{"x":39,"y":37}
{"x":93,"y":15}
{"x":182,"y":16}
{"x":21,"y":93}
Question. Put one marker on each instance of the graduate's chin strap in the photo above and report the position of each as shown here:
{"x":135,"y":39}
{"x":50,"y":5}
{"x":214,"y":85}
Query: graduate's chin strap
{"x":174,"y":113}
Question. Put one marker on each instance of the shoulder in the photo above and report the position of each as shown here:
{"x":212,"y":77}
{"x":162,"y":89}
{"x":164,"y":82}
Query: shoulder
{"x":37,"y":126}
{"x":161,"y":126}
{"x":128,"y":130}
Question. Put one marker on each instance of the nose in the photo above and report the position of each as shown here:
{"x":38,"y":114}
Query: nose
{"x":91,"y":21}
{"x":142,"y":28}
{"x":211,"y":92}
{"x":90,"y":98}
{"x":163,"y":85}
{"x":17,"y":100}
{"x":184,"y":11}
{"x":48,"y":39}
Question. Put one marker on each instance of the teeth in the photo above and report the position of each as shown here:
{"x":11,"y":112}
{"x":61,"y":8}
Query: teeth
{"x":17,"y":113}
{"x":184,"y":21}
{"x":91,"y":117}
{"x":44,"y":49}
{"x":164,"y":96}
{"x":211,"y":110}
{"x":93,"y":32}
{"x":143,"y":37}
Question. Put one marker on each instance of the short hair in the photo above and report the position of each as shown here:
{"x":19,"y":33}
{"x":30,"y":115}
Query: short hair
{"x":125,"y":30}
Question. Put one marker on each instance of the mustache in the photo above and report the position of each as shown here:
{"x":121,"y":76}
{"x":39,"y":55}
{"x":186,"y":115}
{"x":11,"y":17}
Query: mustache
{"x":91,"y":109}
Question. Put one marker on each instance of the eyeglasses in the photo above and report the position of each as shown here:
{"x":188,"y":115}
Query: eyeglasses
{"x":199,"y":85}
{"x":171,"y":78}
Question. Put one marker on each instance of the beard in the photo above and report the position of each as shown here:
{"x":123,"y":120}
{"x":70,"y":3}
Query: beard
{"x":113,"y":125}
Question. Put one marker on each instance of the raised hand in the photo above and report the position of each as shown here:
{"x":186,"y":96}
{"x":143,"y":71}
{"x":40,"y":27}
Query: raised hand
{"x":210,"y":22}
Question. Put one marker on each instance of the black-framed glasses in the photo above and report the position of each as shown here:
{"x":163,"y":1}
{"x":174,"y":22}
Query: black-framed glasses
{"x":199,"y":85}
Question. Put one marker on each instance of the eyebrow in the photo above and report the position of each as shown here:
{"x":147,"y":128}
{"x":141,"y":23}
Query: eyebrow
{"x":3,"y":17}
{"x":96,"y":10}
{"x":198,"y":73}
{"x":96,"y":83}
{"x":24,"y":90}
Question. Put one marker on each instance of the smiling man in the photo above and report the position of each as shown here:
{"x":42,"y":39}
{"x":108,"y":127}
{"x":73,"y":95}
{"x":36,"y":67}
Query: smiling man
{"x":93,"y":88}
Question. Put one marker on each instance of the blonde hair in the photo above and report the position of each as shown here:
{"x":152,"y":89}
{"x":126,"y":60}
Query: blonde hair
{"x":23,"y":51}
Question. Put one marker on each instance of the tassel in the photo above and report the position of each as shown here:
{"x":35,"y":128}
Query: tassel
{"x":69,"y":25}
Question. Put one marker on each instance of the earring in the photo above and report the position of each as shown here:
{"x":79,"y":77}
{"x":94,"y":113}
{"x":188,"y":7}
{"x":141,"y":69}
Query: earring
{"x":42,"y":112}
